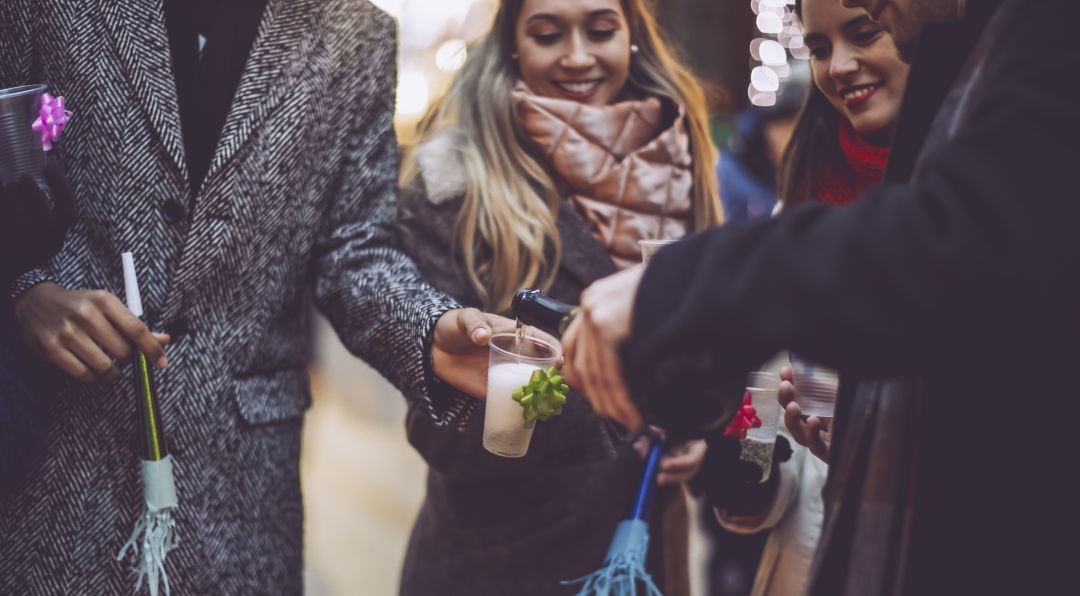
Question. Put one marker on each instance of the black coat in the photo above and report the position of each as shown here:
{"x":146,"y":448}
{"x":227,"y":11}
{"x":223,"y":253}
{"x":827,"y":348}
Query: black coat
{"x":961,"y":279}
{"x":22,"y":410}
{"x":30,"y":233}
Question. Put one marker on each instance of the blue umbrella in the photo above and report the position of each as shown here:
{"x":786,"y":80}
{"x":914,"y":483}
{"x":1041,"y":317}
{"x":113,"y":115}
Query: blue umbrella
{"x":624,"y":564}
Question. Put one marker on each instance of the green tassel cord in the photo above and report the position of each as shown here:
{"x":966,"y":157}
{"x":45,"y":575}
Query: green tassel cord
{"x":543,"y":396}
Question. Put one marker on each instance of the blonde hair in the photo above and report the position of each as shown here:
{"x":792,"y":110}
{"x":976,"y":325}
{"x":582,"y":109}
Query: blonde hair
{"x":505,"y":232}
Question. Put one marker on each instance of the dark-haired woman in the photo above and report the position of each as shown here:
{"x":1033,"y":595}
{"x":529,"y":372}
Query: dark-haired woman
{"x":841,"y":141}
{"x":839,"y":149}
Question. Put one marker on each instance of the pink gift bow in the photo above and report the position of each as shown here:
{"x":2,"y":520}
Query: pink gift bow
{"x":51,"y":120}
{"x":745,"y":418}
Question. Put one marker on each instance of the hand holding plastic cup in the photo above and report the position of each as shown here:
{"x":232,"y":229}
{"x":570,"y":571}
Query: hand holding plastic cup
{"x":510,"y":365}
{"x":757,"y":447}
{"x":815,"y":387}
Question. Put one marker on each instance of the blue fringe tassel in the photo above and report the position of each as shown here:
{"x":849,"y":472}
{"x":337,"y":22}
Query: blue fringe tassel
{"x":624,"y":565}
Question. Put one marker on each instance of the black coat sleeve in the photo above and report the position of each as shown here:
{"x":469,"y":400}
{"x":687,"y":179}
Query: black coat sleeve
{"x":978,"y":252}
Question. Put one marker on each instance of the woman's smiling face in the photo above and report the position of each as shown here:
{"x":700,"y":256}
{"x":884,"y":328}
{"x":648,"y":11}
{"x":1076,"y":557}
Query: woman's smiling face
{"x":855,"y":65}
{"x":574,"y":49}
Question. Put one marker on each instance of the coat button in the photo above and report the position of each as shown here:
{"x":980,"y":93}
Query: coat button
{"x":174,"y":211}
{"x":177,"y":328}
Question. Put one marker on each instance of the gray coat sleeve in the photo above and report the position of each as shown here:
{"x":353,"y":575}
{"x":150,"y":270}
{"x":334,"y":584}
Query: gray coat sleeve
{"x":373,"y":294}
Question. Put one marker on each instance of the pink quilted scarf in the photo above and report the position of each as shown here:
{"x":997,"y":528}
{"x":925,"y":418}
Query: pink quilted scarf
{"x":630,"y":178}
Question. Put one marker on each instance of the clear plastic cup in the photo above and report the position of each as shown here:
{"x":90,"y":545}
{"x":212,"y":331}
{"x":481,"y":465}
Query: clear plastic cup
{"x":815,"y":387}
{"x":510,"y":364}
{"x":757,"y":447}
{"x":649,"y":248}
{"x":20,"y":147}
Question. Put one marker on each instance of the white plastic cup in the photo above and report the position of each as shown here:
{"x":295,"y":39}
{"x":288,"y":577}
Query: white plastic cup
{"x":760,"y":442}
{"x":650,"y":247}
{"x":506,"y":433}
{"x":815,"y":387}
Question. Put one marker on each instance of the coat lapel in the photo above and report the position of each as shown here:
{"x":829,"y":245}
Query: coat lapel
{"x":277,"y":56}
{"x":137,"y":30}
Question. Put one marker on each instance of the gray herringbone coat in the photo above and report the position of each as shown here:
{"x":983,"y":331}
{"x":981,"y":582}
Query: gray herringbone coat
{"x":300,"y":196}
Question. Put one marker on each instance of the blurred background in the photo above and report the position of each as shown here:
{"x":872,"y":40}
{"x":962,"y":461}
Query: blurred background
{"x":363,"y":483}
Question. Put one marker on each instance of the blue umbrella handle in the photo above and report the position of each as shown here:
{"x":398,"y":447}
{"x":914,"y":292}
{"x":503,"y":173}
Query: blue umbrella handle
{"x":648,"y":480}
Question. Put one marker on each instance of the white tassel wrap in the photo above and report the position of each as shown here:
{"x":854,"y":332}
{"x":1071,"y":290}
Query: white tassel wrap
{"x":155,"y":531}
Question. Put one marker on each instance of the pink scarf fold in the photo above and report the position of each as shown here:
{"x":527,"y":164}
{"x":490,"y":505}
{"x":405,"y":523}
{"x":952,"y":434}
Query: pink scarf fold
{"x":629,"y":177}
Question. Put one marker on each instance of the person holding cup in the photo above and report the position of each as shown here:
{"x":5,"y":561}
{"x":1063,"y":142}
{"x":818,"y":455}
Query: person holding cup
{"x":37,"y":206}
{"x":838,"y":149}
{"x":955,"y":279}
{"x":256,"y":187}
{"x":495,"y":199}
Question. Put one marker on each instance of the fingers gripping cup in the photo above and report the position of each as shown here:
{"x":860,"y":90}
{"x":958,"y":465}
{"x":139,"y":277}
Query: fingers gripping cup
{"x":757,"y":447}
{"x":815,"y":387}
{"x":511,"y":362}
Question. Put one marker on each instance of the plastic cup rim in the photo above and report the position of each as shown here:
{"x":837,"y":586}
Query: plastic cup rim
{"x":556,"y":352}
{"x":22,"y":90}
{"x":774,"y":379}
{"x":798,"y":361}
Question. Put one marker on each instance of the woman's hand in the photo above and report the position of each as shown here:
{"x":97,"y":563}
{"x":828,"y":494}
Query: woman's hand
{"x":460,"y":350}
{"x":813,"y":433}
{"x":679,"y":463}
{"x":84,"y":333}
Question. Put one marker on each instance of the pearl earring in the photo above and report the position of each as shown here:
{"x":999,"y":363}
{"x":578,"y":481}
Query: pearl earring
{"x":633,"y":48}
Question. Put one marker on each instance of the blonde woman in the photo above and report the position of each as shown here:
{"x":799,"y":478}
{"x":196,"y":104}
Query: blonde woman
{"x":570,"y":134}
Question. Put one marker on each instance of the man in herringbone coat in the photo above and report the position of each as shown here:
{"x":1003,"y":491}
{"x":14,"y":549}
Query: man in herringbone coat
{"x":297,"y":198}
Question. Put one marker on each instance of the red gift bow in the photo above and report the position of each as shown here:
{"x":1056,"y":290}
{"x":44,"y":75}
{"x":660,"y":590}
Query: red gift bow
{"x":745,"y":418}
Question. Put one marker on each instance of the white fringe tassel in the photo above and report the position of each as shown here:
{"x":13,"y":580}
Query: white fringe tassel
{"x":155,"y":534}
{"x":155,"y":531}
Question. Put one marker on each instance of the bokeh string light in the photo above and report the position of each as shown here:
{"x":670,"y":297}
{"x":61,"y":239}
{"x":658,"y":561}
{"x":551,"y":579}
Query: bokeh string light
{"x":433,"y":39}
{"x":779,"y":42}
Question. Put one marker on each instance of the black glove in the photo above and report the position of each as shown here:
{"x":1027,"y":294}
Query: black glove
{"x":731,"y":484}
{"x":30,"y":232}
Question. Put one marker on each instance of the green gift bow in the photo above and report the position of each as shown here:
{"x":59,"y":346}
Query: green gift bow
{"x":543,"y":396}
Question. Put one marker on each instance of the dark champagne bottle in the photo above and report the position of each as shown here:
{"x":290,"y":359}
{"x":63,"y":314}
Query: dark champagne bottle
{"x":533,"y":307}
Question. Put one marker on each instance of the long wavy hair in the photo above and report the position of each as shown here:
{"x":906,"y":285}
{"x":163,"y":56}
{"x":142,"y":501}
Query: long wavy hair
{"x":505,"y":233}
